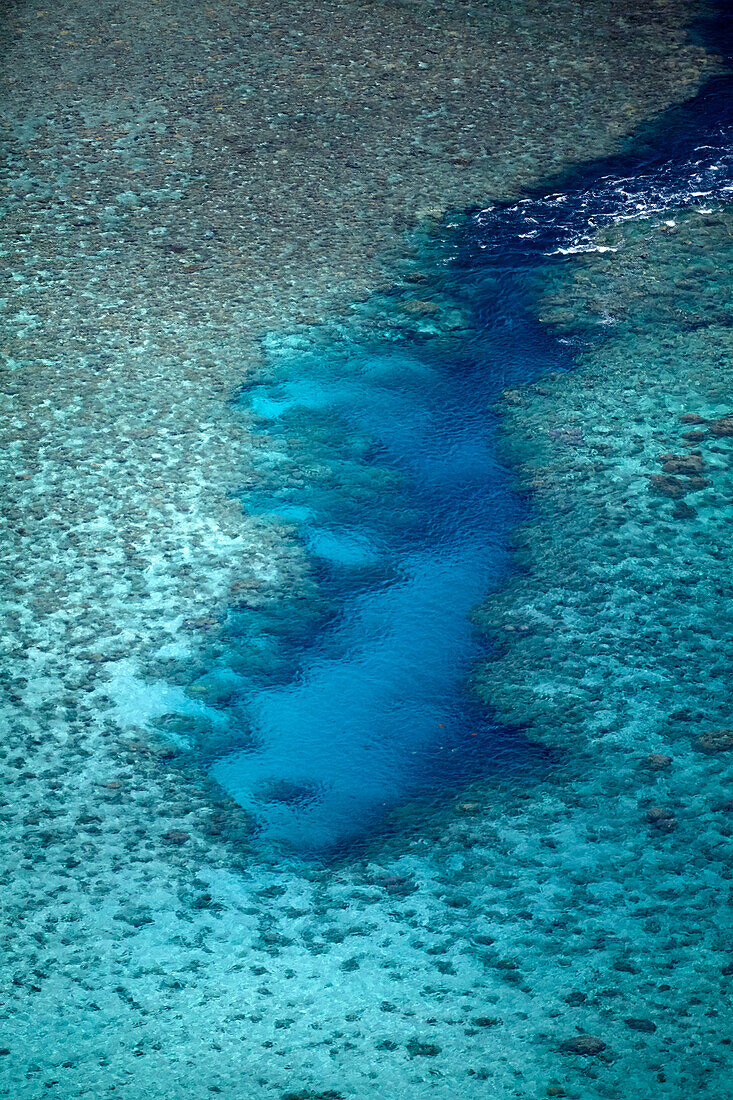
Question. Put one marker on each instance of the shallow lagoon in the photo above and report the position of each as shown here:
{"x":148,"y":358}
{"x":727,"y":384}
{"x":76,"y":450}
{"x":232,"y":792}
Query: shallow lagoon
{"x":400,"y":492}
{"x":403,"y":553}
{"x":155,"y":946}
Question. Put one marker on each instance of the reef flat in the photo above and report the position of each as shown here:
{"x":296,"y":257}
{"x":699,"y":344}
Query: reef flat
{"x":180,"y":183}
{"x":616,"y":638}
{"x":244,"y":163}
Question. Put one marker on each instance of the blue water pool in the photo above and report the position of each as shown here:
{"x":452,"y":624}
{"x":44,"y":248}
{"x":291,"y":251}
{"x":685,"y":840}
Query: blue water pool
{"x":400,"y":495}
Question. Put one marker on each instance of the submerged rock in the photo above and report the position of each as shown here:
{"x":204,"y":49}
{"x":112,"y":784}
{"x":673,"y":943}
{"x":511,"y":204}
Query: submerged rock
{"x":716,"y":741}
{"x":722,"y":427}
{"x":418,"y":306}
{"x":399,"y":885}
{"x":134,"y":915}
{"x":696,"y":483}
{"x":661,"y":818}
{"x":576,"y":998}
{"x":682,"y":510}
{"x":640,"y":1024}
{"x":583,"y":1044}
{"x":659,"y":761}
{"x":176,"y":836}
{"x":682,"y":464}
{"x":417,"y":1049}
{"x":668,"y":486}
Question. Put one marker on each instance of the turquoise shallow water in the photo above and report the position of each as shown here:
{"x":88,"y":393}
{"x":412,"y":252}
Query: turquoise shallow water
{"x":528,"y":802}
{"x":399,"y":491}
{"x":377,"y":709}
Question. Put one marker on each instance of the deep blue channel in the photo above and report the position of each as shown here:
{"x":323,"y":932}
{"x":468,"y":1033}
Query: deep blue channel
{"x":409,"y":526}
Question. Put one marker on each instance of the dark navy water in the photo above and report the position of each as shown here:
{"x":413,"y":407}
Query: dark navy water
{"x":405,"y":504}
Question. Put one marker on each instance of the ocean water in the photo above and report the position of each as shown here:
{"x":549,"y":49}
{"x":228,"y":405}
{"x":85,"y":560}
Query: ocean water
{"x":376,"y":708}
{"x":367,"y":716}
{"x":398,"y":489}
